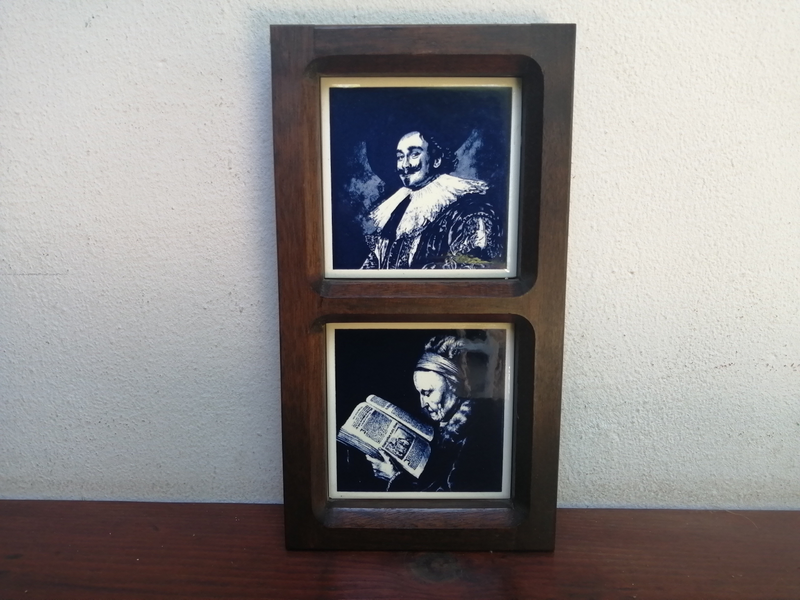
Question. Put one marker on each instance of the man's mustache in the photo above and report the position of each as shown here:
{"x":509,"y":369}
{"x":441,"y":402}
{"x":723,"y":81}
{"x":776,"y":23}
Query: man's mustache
{"x":410,"y":170}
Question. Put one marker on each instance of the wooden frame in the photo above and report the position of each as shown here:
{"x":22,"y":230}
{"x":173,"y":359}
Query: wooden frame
{"x":532,"y":302}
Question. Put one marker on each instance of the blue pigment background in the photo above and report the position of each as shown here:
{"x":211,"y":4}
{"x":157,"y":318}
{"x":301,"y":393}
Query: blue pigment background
{"x":376,"y":118}
{"x":382,"y":362}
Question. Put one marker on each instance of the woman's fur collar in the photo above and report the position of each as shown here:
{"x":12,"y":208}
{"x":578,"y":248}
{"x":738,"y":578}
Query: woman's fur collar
{"x":456,"y":428}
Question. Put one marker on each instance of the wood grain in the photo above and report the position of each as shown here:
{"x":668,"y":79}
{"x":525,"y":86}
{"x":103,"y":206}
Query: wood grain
{"x":542,"y":57}
{"x":119,"y":551}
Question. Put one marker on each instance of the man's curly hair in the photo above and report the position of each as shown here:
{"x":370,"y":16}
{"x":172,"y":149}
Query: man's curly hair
{"x":436,"y":150}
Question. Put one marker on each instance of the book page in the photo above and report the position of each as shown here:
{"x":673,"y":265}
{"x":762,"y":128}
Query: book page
{"x":426,"y":431}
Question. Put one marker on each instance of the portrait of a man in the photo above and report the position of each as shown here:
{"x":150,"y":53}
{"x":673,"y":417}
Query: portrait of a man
{"x":436,"y":220}
{"x":421,"y":180}
{"x":434,"y":397}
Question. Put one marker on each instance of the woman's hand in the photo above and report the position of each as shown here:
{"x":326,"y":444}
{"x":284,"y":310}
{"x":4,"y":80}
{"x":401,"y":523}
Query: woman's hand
{"x":384,"y":469}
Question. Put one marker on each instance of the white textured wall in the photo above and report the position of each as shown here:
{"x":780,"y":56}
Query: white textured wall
{"x":138,"y":310}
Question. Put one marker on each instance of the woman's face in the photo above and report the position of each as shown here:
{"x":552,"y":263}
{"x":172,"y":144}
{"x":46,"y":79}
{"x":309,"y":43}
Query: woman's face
{"x":436,"y":394}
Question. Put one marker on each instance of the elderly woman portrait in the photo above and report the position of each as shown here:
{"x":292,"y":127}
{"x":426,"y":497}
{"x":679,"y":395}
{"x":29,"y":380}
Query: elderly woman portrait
{"x":458,"y":390}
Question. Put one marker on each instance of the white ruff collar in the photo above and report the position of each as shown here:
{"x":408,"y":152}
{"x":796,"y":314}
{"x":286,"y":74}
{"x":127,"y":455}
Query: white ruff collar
{"x":426,"y":203}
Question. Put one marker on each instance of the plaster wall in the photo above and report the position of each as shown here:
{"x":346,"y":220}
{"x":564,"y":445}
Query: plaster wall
{"x":138,"y":288}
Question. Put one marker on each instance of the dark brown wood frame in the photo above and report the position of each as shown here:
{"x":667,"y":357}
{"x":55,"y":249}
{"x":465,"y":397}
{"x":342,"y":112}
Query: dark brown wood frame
{"x":542,"y":56}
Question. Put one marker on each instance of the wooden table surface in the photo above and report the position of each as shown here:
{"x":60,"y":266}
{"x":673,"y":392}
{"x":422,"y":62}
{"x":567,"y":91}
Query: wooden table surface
{"x":119,"y":550}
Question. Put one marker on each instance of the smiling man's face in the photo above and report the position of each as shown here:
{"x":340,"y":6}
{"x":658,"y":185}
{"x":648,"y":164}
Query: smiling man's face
{"x":414,"y":163}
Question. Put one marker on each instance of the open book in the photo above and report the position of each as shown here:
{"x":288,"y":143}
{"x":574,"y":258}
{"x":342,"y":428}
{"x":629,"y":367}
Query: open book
{"x":379,"y":425}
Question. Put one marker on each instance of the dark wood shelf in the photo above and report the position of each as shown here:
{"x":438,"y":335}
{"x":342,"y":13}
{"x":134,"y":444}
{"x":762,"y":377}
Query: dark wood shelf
{"x":116,"y":550}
